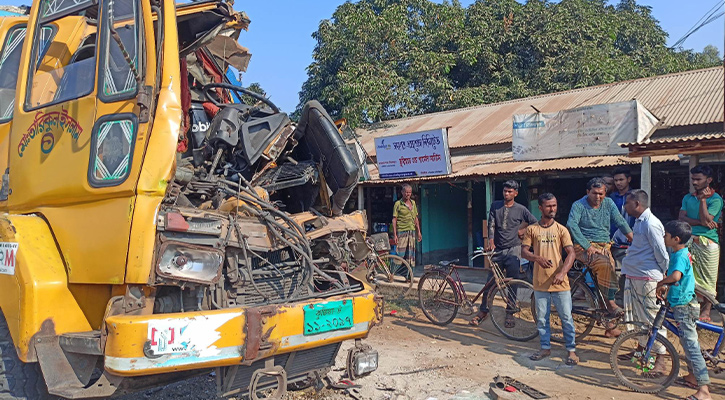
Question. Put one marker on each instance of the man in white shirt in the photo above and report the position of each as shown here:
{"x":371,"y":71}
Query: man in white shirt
{"x":644,"y":265}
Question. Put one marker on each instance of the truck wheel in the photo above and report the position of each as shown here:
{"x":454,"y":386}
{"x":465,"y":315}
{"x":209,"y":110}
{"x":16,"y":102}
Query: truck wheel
{"x":18,"y":380}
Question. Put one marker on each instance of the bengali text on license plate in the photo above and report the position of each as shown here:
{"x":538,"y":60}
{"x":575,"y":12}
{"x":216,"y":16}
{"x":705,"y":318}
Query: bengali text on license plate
{"x":326,"y":317}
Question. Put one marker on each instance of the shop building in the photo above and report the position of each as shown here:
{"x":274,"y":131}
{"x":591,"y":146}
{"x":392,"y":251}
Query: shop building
{"x":688,"y":105}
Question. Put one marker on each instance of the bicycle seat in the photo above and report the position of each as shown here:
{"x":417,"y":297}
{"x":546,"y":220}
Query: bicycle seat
{"x":720,"y":307}
{"x":447,"y":263}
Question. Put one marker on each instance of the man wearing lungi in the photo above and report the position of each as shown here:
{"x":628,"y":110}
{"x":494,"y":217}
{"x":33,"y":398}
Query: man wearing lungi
{"x":702,"y":210}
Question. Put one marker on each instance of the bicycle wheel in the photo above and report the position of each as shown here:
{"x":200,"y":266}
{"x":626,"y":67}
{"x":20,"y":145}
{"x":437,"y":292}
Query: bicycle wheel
{"x":438,"y":298}
{"x":583,"y":305}
{"x":401,"y":273}
{"x":510,"y":308}
{"x":376,"y":272}
{"x":708,"y":339}
{"x":636,"y":373}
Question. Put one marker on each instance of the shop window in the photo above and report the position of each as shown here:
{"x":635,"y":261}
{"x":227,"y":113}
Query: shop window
{"x":112,"y":150}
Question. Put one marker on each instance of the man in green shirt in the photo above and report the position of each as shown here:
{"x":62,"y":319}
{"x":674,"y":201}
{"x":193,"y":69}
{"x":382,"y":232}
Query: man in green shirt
{"x":589,"y":221}
{"x":406,"y":228}
{"x":702,"y":210}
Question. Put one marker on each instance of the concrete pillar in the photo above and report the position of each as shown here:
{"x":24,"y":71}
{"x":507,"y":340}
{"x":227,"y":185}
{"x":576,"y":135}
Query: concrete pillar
{"x":489,"y":194}
{"x":646,"y":183}
{"x":694,"y":160}
{"x":360,"y":197}
{"x":469,"y":190}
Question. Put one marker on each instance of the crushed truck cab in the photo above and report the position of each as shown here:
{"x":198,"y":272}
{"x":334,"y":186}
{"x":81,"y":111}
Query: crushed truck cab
{"x":161,"y":221}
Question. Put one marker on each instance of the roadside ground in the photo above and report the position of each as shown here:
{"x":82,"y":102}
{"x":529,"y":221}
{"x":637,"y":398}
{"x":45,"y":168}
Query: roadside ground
{"x":419,"y":360}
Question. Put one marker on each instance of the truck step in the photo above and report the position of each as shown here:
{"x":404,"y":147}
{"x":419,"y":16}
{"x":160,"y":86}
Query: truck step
{"x":82,"y":342}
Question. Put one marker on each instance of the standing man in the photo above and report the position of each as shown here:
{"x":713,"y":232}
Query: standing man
{"x":644,"y":265}
{"x":702,"y":210}
{"x":406,"y":227}
{"x":505,"y":220}
{"x":622,"y":177}
{"x":551,"y":283}
{"x":589,"y":221}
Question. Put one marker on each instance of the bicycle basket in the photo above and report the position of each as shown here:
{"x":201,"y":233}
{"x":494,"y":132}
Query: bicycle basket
{"x":381,"y":241}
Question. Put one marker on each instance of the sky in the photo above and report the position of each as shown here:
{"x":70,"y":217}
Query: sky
{"x":280,"y":37}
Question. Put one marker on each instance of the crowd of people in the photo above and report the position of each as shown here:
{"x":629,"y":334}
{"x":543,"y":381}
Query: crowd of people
{"x":610,"y":228}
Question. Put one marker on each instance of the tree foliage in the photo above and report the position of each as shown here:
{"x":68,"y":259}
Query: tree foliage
{"x":384,"y":59}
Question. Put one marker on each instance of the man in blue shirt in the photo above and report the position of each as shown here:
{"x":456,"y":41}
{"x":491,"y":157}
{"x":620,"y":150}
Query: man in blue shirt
{"x":622,"y":178}
{"x":702,"y":210}
{"x":685,"y":309}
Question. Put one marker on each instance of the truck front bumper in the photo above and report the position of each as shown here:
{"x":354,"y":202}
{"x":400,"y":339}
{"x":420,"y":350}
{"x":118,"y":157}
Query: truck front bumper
{"x":159,"y":343}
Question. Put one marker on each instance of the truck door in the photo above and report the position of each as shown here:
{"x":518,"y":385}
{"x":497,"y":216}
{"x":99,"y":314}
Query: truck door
{"x":78,"y":129}
{"x":12,"y":37}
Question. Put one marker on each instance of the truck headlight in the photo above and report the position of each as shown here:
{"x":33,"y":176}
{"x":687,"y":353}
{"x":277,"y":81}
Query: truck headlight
{"x":185,"y":262}
{"x":361,"y":360}
{"x":366,"y":362}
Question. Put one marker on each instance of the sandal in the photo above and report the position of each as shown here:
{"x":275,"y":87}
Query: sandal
{"x":706,"y":320}
{"x":572,"y":360}
{"x":617,"y":312}
{"x":682,"y":382}
{"x":540,"y":355}
{"x":510,"y":322}
{"x":476,"y":321}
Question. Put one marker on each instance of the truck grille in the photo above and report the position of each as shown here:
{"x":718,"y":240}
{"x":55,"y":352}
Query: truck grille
{"x":276,"y":277}
{"x":298,"y":365}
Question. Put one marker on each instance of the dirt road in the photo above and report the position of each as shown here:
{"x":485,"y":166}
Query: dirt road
{"x":421,"y":361}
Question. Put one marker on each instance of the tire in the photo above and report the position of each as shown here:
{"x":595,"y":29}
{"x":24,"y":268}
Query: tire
{"x":515,"y":301}
{"x":18,"y":380}
{"x":401,"y":273}
{"x":629,"y":371}
{"x":438,"y":298}
{"x":708,"y":339}
{"x":582,"y":300}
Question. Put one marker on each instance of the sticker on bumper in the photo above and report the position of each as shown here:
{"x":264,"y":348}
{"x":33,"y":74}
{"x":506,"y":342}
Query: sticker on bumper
{"x":8,"y":255}
{"x":186,"y":335}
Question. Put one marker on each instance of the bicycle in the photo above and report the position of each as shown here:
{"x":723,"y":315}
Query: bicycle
{"x":589,"y":307}
{"x":633,"y":364}
{"x":382,"y":267}
{"x":441,"y":294}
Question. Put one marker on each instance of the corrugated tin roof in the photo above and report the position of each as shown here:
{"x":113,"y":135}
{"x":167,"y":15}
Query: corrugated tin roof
{"x":680,"y":99}
{"x":500,"y":163}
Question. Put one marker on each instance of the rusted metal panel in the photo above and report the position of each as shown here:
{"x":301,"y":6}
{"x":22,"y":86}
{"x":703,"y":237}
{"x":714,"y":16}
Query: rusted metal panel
{"x":681,"y":99}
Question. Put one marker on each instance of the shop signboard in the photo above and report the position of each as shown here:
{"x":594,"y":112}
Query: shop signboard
{"x":584,"y":131}
{"x":413,"y":155}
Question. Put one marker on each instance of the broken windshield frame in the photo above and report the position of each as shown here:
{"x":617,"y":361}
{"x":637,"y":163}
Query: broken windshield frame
{"x":57,"y":9}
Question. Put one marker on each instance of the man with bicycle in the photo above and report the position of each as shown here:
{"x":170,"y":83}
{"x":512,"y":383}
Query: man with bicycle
{"x":644,"y":265}
{"x":589,"y":221}
{"x":505,"y":220}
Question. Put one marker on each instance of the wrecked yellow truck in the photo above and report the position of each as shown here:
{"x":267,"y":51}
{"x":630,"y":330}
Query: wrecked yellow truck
{"x":159,"y":221}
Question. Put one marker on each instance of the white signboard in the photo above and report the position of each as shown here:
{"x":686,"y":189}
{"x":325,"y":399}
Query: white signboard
{"x":413,"y":154}
{"x":8,"y":255}
{"x":585,"y":131}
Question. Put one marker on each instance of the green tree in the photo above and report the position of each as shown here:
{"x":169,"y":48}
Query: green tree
{"x":256,"y":88}
{"x":384,"y":59}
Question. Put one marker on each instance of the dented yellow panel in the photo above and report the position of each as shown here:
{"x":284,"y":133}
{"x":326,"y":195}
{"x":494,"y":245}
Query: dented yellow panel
{"x":224,"y":337}
{"x":35,"y":296}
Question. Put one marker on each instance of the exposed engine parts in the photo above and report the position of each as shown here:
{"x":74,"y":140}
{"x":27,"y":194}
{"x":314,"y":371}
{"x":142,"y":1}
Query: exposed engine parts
{"x":254,"y":214}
